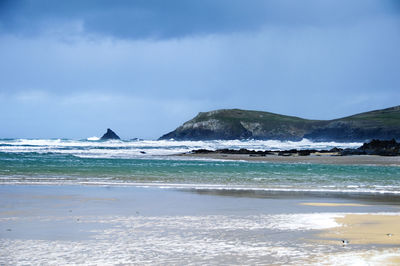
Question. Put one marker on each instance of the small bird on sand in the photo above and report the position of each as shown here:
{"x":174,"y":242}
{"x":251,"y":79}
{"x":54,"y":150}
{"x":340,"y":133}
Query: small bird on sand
{"x":345,"y":242}
{"x":389,"y":235}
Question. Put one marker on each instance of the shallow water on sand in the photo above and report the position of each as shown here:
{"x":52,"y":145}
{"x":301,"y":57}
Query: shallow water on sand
{"x":35,"y":168}
{"x":84,"y":202}
{"x":111,"y":225}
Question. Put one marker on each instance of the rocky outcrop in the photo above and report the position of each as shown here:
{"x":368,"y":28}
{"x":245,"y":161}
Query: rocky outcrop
{"x":109,"y":135}
{"x":242,"y":124}
{"x":292,"y":152}
{"x":376,"y":147}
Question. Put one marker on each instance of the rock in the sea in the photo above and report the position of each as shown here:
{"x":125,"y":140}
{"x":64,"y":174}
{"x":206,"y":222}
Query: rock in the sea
{"x":381,"y":147}
{"x":109,"y":135}
{"x":376,"y":147}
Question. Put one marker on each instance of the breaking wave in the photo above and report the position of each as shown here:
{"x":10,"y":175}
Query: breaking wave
{"x":94,"y":148}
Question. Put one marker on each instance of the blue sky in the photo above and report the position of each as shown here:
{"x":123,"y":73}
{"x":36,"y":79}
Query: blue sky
{"x":73,"y":68}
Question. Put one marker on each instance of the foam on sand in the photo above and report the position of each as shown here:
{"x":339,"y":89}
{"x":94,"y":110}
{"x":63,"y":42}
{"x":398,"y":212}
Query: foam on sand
{"x":375,"y":228}
{"x":387,"y":257}
{"x":183,"y":239}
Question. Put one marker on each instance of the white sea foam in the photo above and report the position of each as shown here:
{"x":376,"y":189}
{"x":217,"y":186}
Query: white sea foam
{"x":369,"y":257}
{"x":200,"y":239}
{"x":93,"y":138}
{"x":92,"y":148}
{"x":185,"y":239}
{"x":182,"y":239}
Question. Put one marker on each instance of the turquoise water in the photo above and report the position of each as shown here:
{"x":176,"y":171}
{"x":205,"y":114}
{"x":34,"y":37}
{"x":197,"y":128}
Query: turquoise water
{"x":85,"y":202}
{"x":57,"y":168}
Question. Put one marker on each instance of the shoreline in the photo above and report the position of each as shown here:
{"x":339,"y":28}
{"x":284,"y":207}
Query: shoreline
{"x":313,"y":159}
{"x":365,"y":229}
{"x":176,"y":226}
{"x":230,"y":190}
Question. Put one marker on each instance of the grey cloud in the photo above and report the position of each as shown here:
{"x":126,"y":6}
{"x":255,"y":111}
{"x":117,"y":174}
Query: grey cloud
{"x":179,"y":18}
{"x":311,"y":58}
{"x":273,"y":70}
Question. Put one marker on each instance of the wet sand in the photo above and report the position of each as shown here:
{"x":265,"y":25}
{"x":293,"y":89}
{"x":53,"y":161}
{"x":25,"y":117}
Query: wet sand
{"x":315,"y":159}
{"x":366,"y":229}
{"x":332,"y":204}
{"x":371,"y":239}
{"x":375,"y":256}
{"x":145,"y":225}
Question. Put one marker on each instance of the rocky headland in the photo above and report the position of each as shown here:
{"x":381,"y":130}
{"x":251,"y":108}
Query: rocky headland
{"x":229,"y":124}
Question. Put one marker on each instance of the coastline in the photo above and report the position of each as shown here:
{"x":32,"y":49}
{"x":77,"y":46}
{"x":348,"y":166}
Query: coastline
{"x":107,"y":224}
{"x":198,"y":208}
{"x":377,"y":233}
{"x":366,"y":229}
{"x":313,"y":159}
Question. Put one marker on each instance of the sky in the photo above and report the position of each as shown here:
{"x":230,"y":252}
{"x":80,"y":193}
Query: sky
{"x":72,"y":69}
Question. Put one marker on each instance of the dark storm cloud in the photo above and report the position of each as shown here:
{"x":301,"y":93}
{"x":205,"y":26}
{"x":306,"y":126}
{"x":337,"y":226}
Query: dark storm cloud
{"x":69,"y":65}
{"x":178,"y":18}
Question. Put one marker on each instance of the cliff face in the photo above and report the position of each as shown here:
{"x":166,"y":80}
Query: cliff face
{"x":378,"y":124}
{"x":243,"y":124}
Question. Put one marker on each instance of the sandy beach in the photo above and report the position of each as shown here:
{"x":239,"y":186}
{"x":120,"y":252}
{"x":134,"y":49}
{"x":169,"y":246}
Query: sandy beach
{"x":379,"y":233}
{"x":366,"y":229}
{"x":314,"y":159}
{"x":143,"y":225}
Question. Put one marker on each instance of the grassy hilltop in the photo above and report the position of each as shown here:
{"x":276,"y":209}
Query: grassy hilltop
{"x":244,"y":124}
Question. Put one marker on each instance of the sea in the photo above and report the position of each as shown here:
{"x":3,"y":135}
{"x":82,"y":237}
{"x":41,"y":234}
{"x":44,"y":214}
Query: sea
{"x":153,"y":163}
{"x":137,"y":202}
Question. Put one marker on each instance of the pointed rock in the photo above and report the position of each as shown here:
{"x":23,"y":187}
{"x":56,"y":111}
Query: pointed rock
{"x":109,"y":135}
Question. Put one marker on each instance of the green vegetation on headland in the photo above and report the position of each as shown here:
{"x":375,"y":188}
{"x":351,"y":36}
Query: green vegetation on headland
{"x":243,"y":124}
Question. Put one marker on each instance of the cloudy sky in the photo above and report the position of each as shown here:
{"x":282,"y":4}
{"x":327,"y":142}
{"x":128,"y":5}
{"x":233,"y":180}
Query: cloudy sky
{"x":142,"y":67}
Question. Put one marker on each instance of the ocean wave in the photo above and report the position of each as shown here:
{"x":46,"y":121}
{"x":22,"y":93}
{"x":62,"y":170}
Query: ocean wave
{"x":93,"y":138}
{"x":93,"y":148}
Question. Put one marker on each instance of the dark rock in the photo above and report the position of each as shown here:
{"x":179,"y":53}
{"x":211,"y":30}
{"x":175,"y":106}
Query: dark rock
{"x":202,"y":151}
{"x":376,"y":147}
{"x":381,"y":147}
{"x":304,"y":152}
{"x":109,"y":135}
{"x":232,"y":151}
{"x":284,"y":153}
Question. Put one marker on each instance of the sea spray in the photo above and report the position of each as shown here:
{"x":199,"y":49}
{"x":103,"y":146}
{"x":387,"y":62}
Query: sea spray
{"x":94,"y":148}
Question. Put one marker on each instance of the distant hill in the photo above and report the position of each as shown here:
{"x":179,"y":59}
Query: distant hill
{"x":243,"y":124}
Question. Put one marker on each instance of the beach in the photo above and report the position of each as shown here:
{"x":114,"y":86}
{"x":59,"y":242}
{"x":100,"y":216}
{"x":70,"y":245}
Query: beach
{"x":143,"y":202}
{"x":200,"y":133}
{"x":150,"y":225}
